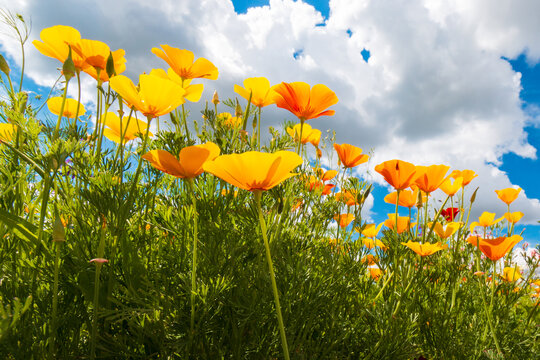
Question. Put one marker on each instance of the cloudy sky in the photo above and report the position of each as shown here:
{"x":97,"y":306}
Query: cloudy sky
{"x":451,"y":82}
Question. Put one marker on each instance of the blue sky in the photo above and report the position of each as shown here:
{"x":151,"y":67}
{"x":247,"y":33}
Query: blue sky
{"x":441,"y":84}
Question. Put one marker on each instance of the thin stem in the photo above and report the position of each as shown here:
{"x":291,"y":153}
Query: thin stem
{"x":258,"y":194}
{"x":57,"y":129}
{"x":194,"y":263}
{"x":101,"y":252}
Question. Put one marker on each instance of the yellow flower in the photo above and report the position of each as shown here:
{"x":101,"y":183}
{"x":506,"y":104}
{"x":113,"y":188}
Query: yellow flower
{"x":429,"y":178}
{"x":467,"y":175}
{"x":371,"y":231}
{"x":129,"y":129}
{"x":190,"y":163}
{"x":450,"y":229}
{"x":508,"y":195}
{"x":487,"y":219}
{"x":425,"y":249}
{"x":95,"y":54}
{"x":56,"y":41}
{"x":192,"y":93}
{"x":309,"y":135}
{"x":70,"y":107}
{"x":6,"y":132}
{"x":451,"y":188}
{"x":182,"y":62}
{"x":154,"y":97}
{"x":511,"y":274}
{"x":260,"y":90}
{"x":254,"y":170}
{"x":513,"y":217}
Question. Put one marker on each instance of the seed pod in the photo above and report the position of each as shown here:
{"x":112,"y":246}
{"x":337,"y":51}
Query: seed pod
{"x":4,"y":67}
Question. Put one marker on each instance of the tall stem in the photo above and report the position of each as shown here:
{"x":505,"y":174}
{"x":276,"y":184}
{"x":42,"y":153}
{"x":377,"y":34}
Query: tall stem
{"x":258,"y":194}
{"x":194,"y":263}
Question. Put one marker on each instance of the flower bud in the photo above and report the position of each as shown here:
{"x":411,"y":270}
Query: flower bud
{"x":110,"y":66}
{"x":68,"y":69}
{"x":4,"y":67}
{"x":215,"y":98}
{"x":238,"y":110}
{"x":58,"y":233}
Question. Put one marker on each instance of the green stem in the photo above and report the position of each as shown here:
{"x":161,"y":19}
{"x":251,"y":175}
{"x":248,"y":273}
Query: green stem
{"x":258,"y":194}
{"x":101,"y":252}
{"x":194,"y":264}
{"x":57,"y":129}
{"x":55,"y":301}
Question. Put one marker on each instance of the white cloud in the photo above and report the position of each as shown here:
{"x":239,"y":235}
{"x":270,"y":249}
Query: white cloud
{"x":435,"y":89}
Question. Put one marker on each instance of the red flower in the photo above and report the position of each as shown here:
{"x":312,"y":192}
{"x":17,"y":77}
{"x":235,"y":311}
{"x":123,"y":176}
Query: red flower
{"x":450,"y":213}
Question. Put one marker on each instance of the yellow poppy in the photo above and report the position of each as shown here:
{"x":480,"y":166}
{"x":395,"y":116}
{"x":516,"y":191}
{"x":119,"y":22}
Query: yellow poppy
{"x":183,"y":64}
{"x":508,"y":195}
{"x":70,"y":107}
{"x":303,"y":102}
{"x":350,"y":155}
{"x":190,"y":162}
{"x":95,"y":54}
{"x":371,"y":231}
{"x":513,"y":217}
{"x":450,"y":188}
{"x":429,"y":178}
{"x":254,"y":170}
{"x":259,"y":89}
{"x":55,"y":42}
{"x":399,"y":174}
{"x":309,"y":135}
{"x":451,"y":228}
{"x":129,"y":129}
{"x":485,"y":220}
{"x":6,"y":132}
{"x":192,"y":93}
{"x":425,"y":249}
{"x":511,"y":274}
{"x":154,"y":97}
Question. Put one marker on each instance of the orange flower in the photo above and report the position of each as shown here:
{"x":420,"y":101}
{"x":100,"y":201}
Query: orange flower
{"x":370,"y":259}
{"x":467,"y":175}
{"x":407,"y":198}
{"x":305,"y":103}
{"x":55,"y":43}
{"x":487,"y":219}
{"x":154,"y":97}
{"x":325,"y":175}
{"x":259,"y":89}
{"x":6,"y":132}
{"x":403,"y":223}
{"x":375,"y":273}
{"x":254,"y":170}
{"x":399,"y":174}
{"x":128,"y":131}
{"x":344,"y":219}
{"x":371,"y":243}
{"x":309,"y":135}
{"x":513,"y":217}
{"x":190,"y":163}
{"x":181,"y":61}
{"x":425,"y":249}
{"x":350,"y":155}
{"x":451,"y":188}
{"x":495,"y":248}
{"x":508,"y":195}
{"x":429,"y":178}
{"x":315,"y":184}
{"x":95,"y":54}
{"x":348,"y":197}
{"x":192,"y":93}
{"x":70,"y":107}
{"x":370,"y":230}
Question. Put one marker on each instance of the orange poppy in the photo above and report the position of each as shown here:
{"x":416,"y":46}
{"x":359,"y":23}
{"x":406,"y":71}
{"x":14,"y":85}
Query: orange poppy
{"x":303,"y":102}
{"x":153,"y":97}
{"x":513,"y":217}
{"x":403,"y":223}
{"x":467,"y":175}
{"x":495,"y":248}
{"x":55,"y":42}
{"x":344,"y":219}
{"x":350,"y":155}
{"x":348,"y":197}
{"x":429,"y":178}
{"x":399,"y":174}
{"x":254,"y":170}
{"x":95,"y":53}
{"x":190,"y":162}
{"x":370,"y":259}
{"x":508,"y":195}
{"x":259,"y":89}
{"x":371,"y":243}
{"x":425,"y":249}
{"x":325,"y":175}
{"x":183,"y":64}
{"x":70,"y":107}
{"x":309,"y":135}
{"x":375,"y":273}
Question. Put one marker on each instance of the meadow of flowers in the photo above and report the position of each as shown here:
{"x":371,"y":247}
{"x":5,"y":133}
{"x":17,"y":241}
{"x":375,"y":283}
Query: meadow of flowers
{"x":201,"y":240}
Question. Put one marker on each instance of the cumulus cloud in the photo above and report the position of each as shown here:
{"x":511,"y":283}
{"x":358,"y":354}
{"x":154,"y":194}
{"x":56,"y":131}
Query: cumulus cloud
{"x":435,"y":88}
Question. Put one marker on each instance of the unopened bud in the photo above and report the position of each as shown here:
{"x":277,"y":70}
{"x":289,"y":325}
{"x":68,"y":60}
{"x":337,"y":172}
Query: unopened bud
{"x":58,"y":233}
{"x":110,"y":66}
{"x":419,"y":199}
{"x":238,"y":110}
{"x":473,"y":197}
{"x":254,"y":123}
{"x":319,"y":153}
{"x":215,"y":98}
{"x":68,"y":69}
{"x":4,"y":67}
